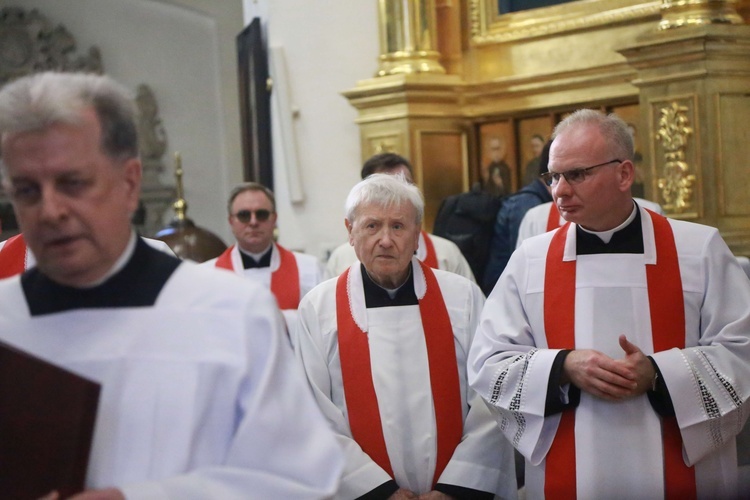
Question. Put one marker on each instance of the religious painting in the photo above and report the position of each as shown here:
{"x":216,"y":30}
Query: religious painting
{"x":497,"y":157}
{"x":533,"y":133}
{"x":631,"y":115}
{"x":506,"y":6}
{"x":255,"y":105}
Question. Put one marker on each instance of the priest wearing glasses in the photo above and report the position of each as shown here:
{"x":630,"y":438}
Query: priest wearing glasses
{"x":614,"y":351}
{"x":384,"y":346}
{"x":256,"y":256}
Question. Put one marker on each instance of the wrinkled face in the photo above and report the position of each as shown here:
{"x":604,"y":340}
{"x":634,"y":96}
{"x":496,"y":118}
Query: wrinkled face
{"x":73,"y":203}
{"x":255,"y":235}
{"x":600,"y":200}
{"x":385,"y":239}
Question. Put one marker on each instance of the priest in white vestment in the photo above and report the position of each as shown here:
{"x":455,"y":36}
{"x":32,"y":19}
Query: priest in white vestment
{"x":546,"y":217}
{"x":615,"y":350}
{"x":384,"y":347}
{"x":200,"y":394}
{"x":257,"y":257}
{"x":436,"y":252}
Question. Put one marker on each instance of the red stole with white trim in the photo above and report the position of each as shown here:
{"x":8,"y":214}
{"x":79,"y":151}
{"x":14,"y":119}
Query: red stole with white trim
{"x":13,"y":256}
{"x":431,"y":257}
{"x":284,"y":280}
{"x":667,"y":310}
{"x":359,"y":390}
{"x":553,"y":219}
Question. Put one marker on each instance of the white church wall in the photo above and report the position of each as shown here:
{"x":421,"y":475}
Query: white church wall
{"x":185,"y":51}
{"x":327,"y":46}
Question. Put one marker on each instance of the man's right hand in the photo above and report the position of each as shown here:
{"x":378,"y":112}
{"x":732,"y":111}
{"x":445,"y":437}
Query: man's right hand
{"x":599,"y":375}
{"x":403,"y":494}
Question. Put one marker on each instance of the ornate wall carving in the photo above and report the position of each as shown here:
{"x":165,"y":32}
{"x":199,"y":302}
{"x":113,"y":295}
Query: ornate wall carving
{"x":30,"y":43}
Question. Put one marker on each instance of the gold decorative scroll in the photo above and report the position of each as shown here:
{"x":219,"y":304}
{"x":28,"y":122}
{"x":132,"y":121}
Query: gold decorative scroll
{"x":677,"y":13}
{"x":408,"y":37}
{"x":673,"y":132}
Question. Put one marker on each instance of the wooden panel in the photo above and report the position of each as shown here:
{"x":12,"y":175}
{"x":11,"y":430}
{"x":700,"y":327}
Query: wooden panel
{"x":734,"y":151}
{"x":443,"y":157}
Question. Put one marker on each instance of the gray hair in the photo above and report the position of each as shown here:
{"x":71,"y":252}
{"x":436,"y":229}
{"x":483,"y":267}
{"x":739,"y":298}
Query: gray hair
{"x":385,"y":190}
{"x":41,"y":100}
{"x":612,"y":127}
{"x":250,"y":186}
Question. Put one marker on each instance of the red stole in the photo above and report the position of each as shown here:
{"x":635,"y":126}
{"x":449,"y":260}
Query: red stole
{"x":359,"y":390}
{"x":667,"y":310}
{"x":284,"y":280}
{"x":431,"y":257}
{"x":553,"y":219}
{"x":13,"y":256}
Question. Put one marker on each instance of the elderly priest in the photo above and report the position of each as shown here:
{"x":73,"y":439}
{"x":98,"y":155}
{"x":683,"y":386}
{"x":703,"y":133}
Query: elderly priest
{"x":200,"y":395}
{"x":384,"y":346}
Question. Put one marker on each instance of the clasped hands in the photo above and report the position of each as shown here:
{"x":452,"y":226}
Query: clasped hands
{"x":608,"y":378}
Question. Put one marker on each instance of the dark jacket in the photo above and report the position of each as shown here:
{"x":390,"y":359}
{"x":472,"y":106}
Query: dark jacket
{"x":506,"y":228}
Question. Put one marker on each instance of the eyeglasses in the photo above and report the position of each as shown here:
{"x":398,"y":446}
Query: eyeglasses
{"x":573,"y":176}
{"x":261,"y":215}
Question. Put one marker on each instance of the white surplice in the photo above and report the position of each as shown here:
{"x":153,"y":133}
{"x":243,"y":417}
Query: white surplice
{"x":308,"y":267}
{"x":483,"y":460}
{"x":201,"y":396}
{"x":534,"y":222}
{"x":619,"y":445}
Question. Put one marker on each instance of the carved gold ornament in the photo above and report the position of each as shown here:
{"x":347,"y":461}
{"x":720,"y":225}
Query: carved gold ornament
{"x":673,"y":133}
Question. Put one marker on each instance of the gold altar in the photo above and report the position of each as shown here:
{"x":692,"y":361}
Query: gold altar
{"x":456,"y":77}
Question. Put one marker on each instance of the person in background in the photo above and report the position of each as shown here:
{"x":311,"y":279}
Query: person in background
{"x":620,"y":327}
{"x":255,"y":255}
{"x":435,"y":251}
{"x":495,"y":179}
{"x":531,"y":171}
{"x":384,"y":347}
{"x":509,"y":220}
{"x":201,"y":397}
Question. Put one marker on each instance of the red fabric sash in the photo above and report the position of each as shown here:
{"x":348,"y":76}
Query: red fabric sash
{"x":667,"y":309}
{"x":359,"y":390}
{"x":13,"y":256}
{"x":431,"y":257}
{"x":553,"y":219}
{"x":284,"y":280}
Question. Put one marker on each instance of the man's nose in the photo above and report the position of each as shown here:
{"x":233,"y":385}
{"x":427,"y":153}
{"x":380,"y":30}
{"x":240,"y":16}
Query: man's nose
{"x":52,"y":205}
{"x":562,"y":188}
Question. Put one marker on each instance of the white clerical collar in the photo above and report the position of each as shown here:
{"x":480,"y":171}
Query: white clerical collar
{"x":606,"y":236}
{"x":119,"y":263}
{"x":256,"y":256}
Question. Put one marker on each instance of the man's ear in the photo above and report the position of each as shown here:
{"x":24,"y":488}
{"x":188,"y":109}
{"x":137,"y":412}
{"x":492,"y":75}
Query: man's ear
{"x":132,"y":170}
{"x":349,"y":227}
{"x":626,"y":175}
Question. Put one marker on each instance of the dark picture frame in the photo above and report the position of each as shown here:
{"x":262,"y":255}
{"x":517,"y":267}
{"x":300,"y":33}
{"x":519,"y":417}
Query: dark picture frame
{"x":255,"y":105}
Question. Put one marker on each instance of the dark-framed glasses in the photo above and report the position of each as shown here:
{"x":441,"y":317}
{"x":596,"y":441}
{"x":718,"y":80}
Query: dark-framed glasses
{"x":573,"y":176}
{"x":261,"y":215}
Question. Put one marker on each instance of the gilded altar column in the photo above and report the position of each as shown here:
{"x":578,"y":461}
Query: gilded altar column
{"x":678,"y":13}
{"x":693,"y":72}
{"x":408,"y":37}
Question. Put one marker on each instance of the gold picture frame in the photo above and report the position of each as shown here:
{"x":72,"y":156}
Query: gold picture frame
{"x":488,"y":26}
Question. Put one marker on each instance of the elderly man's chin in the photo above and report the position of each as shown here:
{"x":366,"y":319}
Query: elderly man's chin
{"x":73,"y":264}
